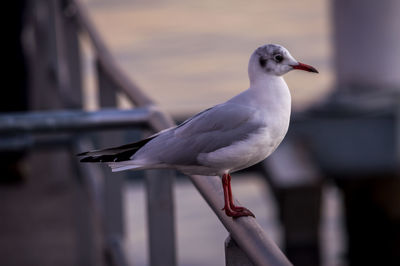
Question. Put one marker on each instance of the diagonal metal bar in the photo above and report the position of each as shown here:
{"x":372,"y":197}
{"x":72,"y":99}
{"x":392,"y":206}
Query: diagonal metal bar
{"x":106,"y":59}
{"x":246,"y":232}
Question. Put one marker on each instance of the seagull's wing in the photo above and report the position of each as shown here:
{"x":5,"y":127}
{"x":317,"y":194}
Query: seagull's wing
{"x":206,"y":132}
{"x":114,"y":154}
{"x":118,"y":153}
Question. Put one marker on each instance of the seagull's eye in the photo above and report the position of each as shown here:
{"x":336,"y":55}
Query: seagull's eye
{"x":278,"y":58}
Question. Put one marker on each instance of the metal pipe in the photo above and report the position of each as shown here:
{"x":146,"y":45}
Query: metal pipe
{"x":74,"y":120}
{"x":106,"y":59}
{"x":247,"y":233}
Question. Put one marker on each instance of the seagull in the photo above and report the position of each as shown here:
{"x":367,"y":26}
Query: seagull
{"x":223,"y":139}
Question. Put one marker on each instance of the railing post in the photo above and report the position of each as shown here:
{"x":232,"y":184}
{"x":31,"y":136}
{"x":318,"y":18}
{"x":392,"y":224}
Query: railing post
{"x":72,"y":53}
{"x":297,"y":184}
{"x":51,"y":89}
{"x":247,"y":232}
{"x":113,"y":205}
{"x":397,"y":129}
{"x":160,"y":211}
{"x":234,"y":255}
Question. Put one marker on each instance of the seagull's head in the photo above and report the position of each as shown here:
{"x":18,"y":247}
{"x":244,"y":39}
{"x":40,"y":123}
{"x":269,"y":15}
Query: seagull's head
{"x":274,"y":59}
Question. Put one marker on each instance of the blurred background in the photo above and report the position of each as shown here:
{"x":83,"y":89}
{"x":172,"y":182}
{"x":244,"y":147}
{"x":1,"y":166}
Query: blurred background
{"x":330,"y":195}
{"x":200,"y":50}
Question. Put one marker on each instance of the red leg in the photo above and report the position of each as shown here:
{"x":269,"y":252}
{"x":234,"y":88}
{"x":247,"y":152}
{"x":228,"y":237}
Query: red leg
{"x":231,"y":203}
{"x":226,"y":193}
{"x":230,"y":209}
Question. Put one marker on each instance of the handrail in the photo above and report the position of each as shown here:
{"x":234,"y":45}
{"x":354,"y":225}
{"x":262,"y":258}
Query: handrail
{"x":247,"y":233}
{"x":73,"y":120}
{"x":106,"y":59}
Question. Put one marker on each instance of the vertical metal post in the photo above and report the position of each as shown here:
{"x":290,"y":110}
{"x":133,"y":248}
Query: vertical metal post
{"x":51,"y":89}
{"x":113,"y":204}
{"x":297,"y":185}
{"x":85,"y":243}
{"x":107,"y":88}
{"x":72,"y":53}
{"x":66,"y":69}
{"x":234,"y":255}
{"x":112,"y":182}
{"x":160,"y":211}
{"x":43,"y":94}
{"x":59,"y":61}
{"x":397,"y":134}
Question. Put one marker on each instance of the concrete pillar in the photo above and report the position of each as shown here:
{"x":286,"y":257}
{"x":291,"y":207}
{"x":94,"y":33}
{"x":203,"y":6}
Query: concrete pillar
{"x":367,"y":61}
{"x":367,"y":45}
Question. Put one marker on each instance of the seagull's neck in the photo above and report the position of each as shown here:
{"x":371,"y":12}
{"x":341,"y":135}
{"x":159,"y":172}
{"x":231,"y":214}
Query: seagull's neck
{"x":266,"y":82}
{"x":270,"y":88}
{"x":266,"y":93}
{"x":266,"y":86}
{"x":270,"y":96}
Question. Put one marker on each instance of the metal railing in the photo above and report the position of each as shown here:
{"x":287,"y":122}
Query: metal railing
{"x":247,"y":244}
{"x":246,"y":232}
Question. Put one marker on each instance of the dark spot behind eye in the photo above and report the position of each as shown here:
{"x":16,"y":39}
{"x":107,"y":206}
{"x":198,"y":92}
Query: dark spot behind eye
{"x":262,"y":61}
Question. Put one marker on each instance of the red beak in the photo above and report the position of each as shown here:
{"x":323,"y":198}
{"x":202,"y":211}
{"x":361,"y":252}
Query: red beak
{"x":305,"y":67}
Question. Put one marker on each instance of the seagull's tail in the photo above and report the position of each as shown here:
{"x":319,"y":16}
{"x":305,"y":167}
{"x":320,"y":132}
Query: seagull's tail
{"x":125,"y":165}
{"x":114,"y":154}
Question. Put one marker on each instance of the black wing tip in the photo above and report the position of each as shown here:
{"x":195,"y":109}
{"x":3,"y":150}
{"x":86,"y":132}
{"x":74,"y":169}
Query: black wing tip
{"x":89,"y":159}
{"x":127,"y":151}
{"x":82,"y":153}
{"x":106,"y":158}
{"x":97,"y":159}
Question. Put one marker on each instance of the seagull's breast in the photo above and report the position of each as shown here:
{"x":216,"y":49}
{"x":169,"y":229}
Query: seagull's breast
{"x":247,"y":152}
{"x":273,"y":115}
